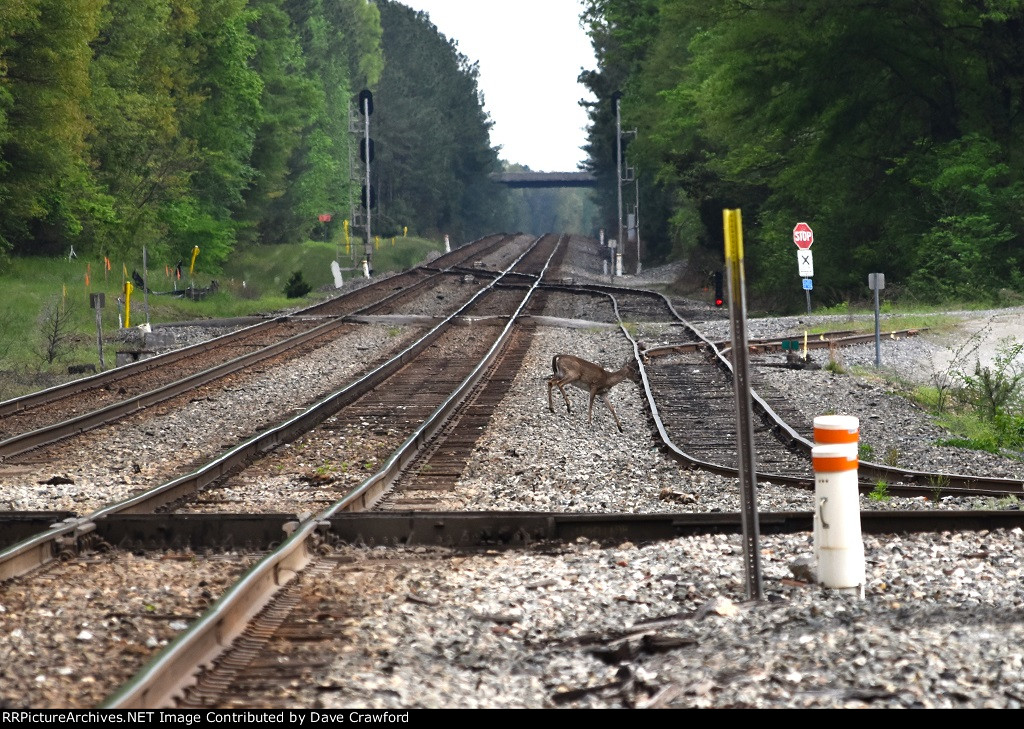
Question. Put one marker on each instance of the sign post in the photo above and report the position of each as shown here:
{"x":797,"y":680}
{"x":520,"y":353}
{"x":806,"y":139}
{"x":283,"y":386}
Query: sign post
{"x":876,"y":282}
{"x":803,"y":236}
{"x":746,"y":455}
{"x":97,"y":302}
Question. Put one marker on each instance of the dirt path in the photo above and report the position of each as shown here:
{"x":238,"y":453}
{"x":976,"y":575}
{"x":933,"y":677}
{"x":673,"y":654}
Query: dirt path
{"x":981,"y":338}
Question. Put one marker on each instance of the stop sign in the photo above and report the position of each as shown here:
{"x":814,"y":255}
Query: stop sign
{"x":803,"y":236}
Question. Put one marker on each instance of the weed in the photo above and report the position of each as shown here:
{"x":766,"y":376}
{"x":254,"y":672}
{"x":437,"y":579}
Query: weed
{"x":939,"y":483}
{"x":892,"y":457}
{"x":394,"y":331}
{"x":55,"y":329}
{"x":835,"y":367}
{"x":982,"y":443}
{"x":324,"y":469}
{"x":296,"y":287}
{"x":880,"y":492}
{"x":865,"y":451}
{"x":1006,"y":503}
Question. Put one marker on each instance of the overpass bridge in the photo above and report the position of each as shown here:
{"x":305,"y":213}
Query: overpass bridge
{"x":545,"y":179}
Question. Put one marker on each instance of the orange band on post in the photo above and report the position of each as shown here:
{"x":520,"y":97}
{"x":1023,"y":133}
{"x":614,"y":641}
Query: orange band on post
{"x":827,"y":436}
{"x":834,"y":464}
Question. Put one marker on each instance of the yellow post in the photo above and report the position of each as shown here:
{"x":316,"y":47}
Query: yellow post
{"x":746,"y":456}
{"x":128,"y":304}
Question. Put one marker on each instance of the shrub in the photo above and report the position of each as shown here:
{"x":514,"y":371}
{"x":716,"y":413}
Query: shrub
{"x":296,"y":287}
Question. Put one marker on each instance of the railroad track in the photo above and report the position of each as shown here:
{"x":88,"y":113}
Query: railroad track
{"x":419,"y":454}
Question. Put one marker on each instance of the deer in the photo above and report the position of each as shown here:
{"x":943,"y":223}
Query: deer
{"x":570,"y":370}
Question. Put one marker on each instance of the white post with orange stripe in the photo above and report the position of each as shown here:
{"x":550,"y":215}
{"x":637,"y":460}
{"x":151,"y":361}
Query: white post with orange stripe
{"x":838,"y":547}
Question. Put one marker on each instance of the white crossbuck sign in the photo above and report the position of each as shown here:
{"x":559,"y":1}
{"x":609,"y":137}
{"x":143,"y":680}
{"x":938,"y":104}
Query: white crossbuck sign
{"x":805,"y":263}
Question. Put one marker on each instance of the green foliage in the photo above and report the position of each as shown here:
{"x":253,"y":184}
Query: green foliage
{"x":44,"y":90}
{"x":296,"y":287}
{"x":992,"y":391}
{"x":175,"y":123}
{"x":972,"y":200}
{"x":1004,"y":503}
{"x":438,"y":158}
{"x":892,"y":128}
{"x":880,"y":492}
{"x":984,"y":407}
{"x":834,"y":365}
{"x":540,"y":211}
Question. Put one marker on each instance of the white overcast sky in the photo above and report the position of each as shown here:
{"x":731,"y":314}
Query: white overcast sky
{"x":530,"y":53}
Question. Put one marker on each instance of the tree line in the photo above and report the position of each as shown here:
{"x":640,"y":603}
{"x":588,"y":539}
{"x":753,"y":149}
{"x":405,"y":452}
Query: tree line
{"x":172,"y":124}
{"x":893,"y":129}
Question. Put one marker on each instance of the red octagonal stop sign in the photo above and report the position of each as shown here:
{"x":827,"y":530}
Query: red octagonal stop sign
{"x":803,"y":236}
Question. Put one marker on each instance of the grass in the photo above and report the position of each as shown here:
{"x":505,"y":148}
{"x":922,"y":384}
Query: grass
{"x":863,"y":322}
{"x":252,"y":282}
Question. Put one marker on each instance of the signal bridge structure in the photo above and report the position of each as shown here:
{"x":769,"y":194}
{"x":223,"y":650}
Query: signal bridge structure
{"x":545,"y":179}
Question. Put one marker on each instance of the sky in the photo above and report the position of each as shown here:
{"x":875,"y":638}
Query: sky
{"x":530,"y":53}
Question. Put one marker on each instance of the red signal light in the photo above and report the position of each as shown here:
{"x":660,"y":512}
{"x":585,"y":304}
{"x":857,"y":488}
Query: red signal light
{"x":719,"y":293}
{"x":718,"y":302}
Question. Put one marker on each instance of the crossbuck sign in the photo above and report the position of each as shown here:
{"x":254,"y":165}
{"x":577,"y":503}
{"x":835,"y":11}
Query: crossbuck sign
{"x":805,"y":263}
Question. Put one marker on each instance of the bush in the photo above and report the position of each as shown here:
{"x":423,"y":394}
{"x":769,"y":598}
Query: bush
{"x":296,"y":287}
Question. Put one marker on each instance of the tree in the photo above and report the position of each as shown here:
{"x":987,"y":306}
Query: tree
{"x":840,"y":114}
{"x":44,"y":84}
{"x":432,"y":135}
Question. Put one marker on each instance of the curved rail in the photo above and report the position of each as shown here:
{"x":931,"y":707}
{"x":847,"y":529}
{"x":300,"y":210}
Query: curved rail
{"x":901,"y":481}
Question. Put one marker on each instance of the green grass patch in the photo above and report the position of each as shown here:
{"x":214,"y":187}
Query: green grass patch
{"x":863,"y":322}
{"x":252,"y":282}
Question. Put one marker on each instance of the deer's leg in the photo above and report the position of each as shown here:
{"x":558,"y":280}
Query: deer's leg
{"x":606,"y":402}
{"x":551,"y":384}
{"x":590,"y":410}
{"x":564,"y":396}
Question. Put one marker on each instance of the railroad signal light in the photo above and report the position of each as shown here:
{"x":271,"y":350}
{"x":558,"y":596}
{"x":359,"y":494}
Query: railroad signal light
{"x":369,"y":200}
{"x":366,"y":150}
{"x":365,"y":102}
{"x":719,"y":294}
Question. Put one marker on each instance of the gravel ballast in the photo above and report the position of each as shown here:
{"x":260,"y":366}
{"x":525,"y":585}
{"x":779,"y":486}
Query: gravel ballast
{"x":938,"y":623}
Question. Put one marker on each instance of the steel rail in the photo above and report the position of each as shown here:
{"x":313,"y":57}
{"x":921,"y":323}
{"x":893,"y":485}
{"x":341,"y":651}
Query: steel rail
{"x":901,"y":481}
{"x":96,"y":418}
{"x":368,"y":493}
{"x":171,"y":671}
{"x":101,"y":379}
{"x":494,"y":529}
{"x":39,"y":549}
{"x":57,"y":431}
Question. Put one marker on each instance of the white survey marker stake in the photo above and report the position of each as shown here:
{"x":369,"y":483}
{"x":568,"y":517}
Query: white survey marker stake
{"x":805,"y":263}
